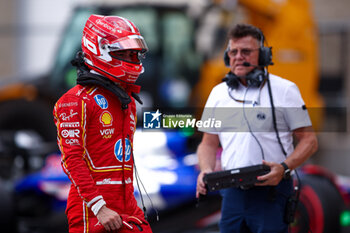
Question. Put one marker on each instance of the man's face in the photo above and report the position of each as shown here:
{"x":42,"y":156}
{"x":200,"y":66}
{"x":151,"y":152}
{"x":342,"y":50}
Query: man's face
{"x":245,"y":49}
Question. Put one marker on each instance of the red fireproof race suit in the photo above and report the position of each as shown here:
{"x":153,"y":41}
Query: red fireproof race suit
{"x":95,"y":136}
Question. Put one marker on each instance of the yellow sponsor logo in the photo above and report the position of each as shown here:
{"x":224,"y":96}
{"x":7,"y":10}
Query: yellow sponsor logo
{"x":106,"y":119}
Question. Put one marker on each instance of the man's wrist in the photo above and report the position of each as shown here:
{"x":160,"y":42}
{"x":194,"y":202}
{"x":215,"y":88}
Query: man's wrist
{"x":286,"y":174}
{"x":206,"y":169}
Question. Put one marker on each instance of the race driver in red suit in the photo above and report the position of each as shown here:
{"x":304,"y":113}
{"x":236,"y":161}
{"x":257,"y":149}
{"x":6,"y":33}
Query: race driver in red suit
{"x":96,"y":122}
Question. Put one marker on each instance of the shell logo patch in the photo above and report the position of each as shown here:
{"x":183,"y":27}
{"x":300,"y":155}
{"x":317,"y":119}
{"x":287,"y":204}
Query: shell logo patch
{"x":106,"y":119}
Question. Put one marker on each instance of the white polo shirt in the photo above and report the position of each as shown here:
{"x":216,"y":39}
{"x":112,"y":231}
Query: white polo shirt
{"x":246,"y":121}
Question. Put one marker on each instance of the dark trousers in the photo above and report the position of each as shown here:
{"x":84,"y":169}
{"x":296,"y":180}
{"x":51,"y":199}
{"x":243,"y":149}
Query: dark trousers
{"x":256,"y":210}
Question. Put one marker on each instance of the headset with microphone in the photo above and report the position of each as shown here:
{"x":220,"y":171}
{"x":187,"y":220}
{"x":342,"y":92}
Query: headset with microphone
{"x":257,"y":76}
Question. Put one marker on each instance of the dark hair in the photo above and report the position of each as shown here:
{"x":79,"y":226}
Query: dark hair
{"x":243,"y":30}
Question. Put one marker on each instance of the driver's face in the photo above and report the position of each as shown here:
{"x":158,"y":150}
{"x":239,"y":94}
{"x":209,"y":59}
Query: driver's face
{"x":127,"y":55}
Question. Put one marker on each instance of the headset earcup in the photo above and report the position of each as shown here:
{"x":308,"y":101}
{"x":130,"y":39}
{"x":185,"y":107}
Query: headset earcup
{"x":231,"y":80}
{"x":226,"y":59}
{"x":265,"y":56}
{"x":255,"y":78}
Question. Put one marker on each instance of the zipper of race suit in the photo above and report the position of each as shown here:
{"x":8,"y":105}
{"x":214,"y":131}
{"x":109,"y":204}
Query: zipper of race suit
{"x":124,"y":110}
{"x":137,"y":177}
{"x":125,"y":114}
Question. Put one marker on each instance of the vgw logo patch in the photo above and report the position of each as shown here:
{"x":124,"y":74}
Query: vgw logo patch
{"x":151,"y":120}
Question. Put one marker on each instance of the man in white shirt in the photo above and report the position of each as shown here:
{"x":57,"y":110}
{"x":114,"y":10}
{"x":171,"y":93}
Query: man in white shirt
{"x":259,"y":113}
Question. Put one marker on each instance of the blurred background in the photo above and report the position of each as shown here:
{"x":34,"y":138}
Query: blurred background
{"x":38,"y":38}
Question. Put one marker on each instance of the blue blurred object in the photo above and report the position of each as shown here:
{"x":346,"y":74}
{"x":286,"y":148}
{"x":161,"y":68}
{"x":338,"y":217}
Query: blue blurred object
{"x":177,"y":142}
{"x":50,"y":182}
